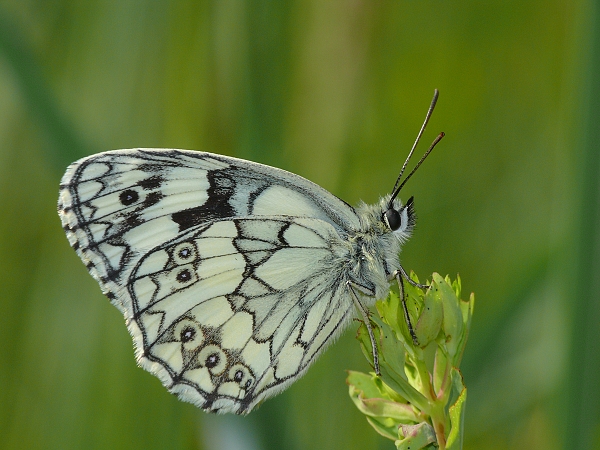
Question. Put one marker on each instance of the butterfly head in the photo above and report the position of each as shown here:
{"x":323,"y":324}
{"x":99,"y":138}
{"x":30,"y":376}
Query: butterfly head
{"x":397,"y":217}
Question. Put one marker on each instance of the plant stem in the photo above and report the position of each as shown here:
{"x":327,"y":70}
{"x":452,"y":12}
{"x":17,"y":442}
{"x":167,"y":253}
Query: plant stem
{"x":438,"y":419}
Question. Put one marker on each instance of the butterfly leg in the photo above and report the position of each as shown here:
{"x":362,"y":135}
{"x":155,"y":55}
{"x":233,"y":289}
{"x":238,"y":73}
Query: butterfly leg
{"x":365,"y":314}
{"x":400,"y":274}
{"x":410,"y":280}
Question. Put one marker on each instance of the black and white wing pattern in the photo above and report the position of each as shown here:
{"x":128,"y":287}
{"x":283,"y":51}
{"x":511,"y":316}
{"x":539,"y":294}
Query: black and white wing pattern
{"x":230,"y":313}
{"x":230,"y":274}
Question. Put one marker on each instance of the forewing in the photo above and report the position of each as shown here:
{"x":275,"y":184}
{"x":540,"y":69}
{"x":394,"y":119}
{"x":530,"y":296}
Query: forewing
{"x":116,"y":206}
{"x":230,"y":313}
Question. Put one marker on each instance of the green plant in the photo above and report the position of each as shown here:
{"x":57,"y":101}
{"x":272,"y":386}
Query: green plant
{"x":418,"y":399}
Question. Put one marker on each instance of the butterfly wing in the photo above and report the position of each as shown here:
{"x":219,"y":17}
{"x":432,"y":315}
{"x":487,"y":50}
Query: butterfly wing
{"x":126,"y":212}
{"x":230,"y":313}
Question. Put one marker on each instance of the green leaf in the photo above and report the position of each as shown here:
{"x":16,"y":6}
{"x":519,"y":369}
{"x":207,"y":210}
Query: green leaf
{"x":369,"y":385}
{"x":452,"y":324}
{"x":467,"y":314}
{"x":384,"y":428}
{"x":428,"y":326}
{"x":390,"y":311}
{"x":456,"y":285}
{"x":457,"y":413}
{"x":364,"y":341}
{"x":403,"y":387}
{"x":441,"y":371}
{"x":416,"y":436}
{"x":392,"y":351}
{"x":414,"y":304}
{"x":380,"y":407}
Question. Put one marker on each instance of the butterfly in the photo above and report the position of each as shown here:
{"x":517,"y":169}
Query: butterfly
{"x":232,"y":276}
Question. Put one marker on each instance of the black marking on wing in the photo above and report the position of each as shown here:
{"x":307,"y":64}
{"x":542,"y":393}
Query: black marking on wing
{"x":193,"y":359}
{"x":281,"y":233}
{"x":136,"y":198}
{"x":128,"y":197}
{"x":254,"y":195}
{"x":153,"y":182}
{"x":217,"y":206}
{"x":200,"y":357}
{"x":152,"y":199}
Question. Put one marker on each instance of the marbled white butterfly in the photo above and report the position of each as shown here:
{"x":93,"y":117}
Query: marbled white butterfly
{"x":232,"y":276}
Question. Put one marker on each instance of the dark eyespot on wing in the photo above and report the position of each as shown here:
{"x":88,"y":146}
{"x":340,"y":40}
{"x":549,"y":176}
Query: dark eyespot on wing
{"x":187,"y":334}
{"x":184,"y":276}
{"x":128,"y":197}
{"x":212,"y":360}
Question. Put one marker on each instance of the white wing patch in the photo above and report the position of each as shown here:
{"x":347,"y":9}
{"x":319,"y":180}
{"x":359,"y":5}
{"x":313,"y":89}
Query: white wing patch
{"x":286,"y":202}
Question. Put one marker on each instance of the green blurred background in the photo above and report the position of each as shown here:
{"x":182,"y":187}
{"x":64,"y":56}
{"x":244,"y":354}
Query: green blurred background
{"x":334,"y":91}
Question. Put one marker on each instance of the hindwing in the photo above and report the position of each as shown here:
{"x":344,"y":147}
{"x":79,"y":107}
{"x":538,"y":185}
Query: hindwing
{"x":231,"y":313}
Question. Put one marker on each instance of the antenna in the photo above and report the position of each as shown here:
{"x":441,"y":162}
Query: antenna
{"x":396,"y":189}
{"x":433,"y":144}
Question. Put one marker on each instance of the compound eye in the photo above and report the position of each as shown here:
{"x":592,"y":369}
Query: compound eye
{"x":392,"y":218}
